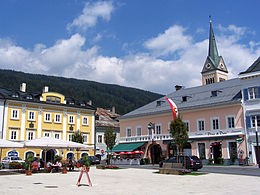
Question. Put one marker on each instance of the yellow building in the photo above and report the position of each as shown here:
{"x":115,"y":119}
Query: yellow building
{"x":27,"y":116}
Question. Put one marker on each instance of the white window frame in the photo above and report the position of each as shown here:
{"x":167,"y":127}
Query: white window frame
{"x":128,"y":128}
{"x":57,"y":134}
{"x":45,"y":133}
{"x":187,"y":122}
{"x":83,"y":120}
{"x":198,"y":153}
{"x":16,"y":116}
{"x":85,"y":137}
{"x":254,"y":94}
{"x":33,"y":114}
{"x":211,"y":121}
{"x":227,"y":124}
{"x":98,"y":141}
{"x":73,"y":119}
{"x":28,"y":135}
{"x":156,"y":126}
{"x":252,"y":118}
{"x":10,"y":134}
{"x":45,"y":114}
{"x":55,"y":118}
{"x":228,"y":152}
{"x":138,"y":127}
{"x":198,"y":124}
{"x":70,"y":135}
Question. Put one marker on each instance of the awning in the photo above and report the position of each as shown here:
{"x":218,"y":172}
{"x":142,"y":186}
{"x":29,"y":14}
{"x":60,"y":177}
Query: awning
{"x":129,"y":147}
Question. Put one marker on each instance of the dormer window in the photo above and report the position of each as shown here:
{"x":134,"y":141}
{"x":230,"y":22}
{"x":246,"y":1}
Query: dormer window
{"x":29,"y":97}
{"x":16,"y":95}
{"x":53,"y":99}
{"x":215,"y":93}
{"x":159,"y":102}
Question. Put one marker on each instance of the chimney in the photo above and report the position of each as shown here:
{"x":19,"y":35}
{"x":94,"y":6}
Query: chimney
{"x":23,"y":87}
{"x":90,"y":102}
{"x":113,"y":109}
{"x":178,"y":87}
{"x":45,"y":89}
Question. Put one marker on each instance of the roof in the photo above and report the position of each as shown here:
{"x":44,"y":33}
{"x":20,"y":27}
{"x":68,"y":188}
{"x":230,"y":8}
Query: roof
{"x":253,"y":68}
{"x":227,"y":92}
{"x":10,"y":94}
{"x":106,"y":118}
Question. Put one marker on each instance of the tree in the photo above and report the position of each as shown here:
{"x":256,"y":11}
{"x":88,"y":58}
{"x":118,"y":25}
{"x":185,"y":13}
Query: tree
{"x":179,"y":133}
{"x":110,"y":139}
{"x":77,"y":137}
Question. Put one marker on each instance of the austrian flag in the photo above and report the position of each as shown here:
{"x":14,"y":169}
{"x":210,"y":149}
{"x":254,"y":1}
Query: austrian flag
{"x":173,"y":107}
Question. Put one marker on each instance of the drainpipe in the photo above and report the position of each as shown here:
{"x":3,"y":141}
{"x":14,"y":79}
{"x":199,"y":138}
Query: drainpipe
{"x":246,"y":140}
{"x":2,"y":128}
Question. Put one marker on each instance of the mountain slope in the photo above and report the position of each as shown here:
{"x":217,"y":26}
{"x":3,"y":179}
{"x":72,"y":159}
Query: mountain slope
{"x":102,"y":95}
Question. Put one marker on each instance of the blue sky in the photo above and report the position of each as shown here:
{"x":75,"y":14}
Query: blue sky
{"x":151,"y":45}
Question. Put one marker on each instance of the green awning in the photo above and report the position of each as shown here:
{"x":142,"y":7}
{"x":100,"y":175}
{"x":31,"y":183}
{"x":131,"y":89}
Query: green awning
{"x":129,"y":147}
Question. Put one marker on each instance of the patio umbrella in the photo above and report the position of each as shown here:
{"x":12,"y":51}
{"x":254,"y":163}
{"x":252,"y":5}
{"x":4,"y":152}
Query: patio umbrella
{"x":9,"y":144}
{"x":129,"y":152}
{"x":138,"y":152}
{"x":122,"y":153}
{"x":47,"y":143}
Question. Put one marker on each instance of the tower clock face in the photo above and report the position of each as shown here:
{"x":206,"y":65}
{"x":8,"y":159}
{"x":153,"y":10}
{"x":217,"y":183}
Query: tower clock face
{"x":221,"y":66}
{"x":208,"y":66}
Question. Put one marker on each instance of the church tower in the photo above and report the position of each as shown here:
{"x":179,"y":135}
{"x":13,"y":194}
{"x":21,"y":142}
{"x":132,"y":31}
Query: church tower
{"x":214,"y":69}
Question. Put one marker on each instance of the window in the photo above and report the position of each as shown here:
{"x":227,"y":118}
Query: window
{"x":31,"y":116}
{"x":214,"y":124}
{"x":149,"y":131}
{"x":57,"y":136}
{"x":232,"y":148}
{"x":30,"y":135}
{"x":138,"y":131}
{"x":71,"y":119}
{"x":128,"y":132}
{"x":15,"y":114}
{"x":253,"y":121}
{"x":53,"y":99}
{"x":187,"y":124}
{"x":47,"y":117}
{"x":158,"y":129}
{"x":230,"y":122}
{"x":99,"y":138}
{"x":253,"y":92}
{"x":46,"y":134}
{"x":85,"y":138}
{"x":70,"y":136}
{"x":201,"y":125}
{"x":202,"y":150}
{"x":13,"y":135}
{"x":57,"y":118}
{"x":85,"y":120}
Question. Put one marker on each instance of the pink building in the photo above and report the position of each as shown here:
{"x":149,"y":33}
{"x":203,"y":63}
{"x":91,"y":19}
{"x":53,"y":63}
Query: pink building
{"x":213,"y":114}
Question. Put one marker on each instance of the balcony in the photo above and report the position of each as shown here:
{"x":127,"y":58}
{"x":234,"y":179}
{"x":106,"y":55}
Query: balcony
{"x":144,"y":138}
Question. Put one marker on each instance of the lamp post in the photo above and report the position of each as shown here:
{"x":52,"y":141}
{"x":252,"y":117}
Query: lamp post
{"x":257,"y":148}
{"x":151,"y":127}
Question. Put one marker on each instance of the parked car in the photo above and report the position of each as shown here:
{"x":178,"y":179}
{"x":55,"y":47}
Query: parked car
{"x":191,"y":162}
{"x":6,"y":160}
{"x":92,"y":159}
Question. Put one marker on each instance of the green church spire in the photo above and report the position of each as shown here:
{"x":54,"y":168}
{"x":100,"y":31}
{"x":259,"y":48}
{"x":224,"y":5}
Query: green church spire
{"x":213,"y":50}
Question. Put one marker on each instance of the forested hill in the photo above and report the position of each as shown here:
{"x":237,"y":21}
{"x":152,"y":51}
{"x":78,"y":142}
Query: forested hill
{"x":125,"y":99}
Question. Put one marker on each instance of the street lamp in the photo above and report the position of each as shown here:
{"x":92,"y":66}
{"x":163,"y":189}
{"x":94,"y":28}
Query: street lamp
{"x":257,"y":149}
{"x":151,"y":127}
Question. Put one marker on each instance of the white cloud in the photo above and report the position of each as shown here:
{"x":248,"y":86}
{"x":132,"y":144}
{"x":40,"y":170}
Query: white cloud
{"x":91,"y":13}
{"x":69,"y":58}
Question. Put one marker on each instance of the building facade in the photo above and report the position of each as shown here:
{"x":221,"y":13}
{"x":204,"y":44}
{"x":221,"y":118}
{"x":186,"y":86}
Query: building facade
{"x":250,"y":87}
{"x":105,"y":119}
{"x":213,"y":114}
{"x":28,"y":116}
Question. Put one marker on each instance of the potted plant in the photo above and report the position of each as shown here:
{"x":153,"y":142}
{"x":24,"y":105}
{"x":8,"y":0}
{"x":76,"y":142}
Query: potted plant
{"x":28,"y":164}
{"x":233,"y":158}
{"x":211,"y":161}
{"x":64,"y":164}
{"x":221,"y":160}
{"x":87,"y":162}
{"x":1,"y":165}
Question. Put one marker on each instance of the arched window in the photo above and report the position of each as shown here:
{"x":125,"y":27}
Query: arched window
{"x":28,"y":153}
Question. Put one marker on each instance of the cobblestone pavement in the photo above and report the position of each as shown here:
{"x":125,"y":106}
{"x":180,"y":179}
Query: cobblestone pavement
{"x":129,"y":181}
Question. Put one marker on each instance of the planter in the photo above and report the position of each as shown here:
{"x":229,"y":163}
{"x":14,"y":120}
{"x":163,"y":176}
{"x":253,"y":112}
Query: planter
{"x":28,"y":172}
{"x":64,"y":171}
{"x":78,"y":165}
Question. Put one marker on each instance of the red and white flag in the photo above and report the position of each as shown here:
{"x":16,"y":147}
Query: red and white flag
{"x":173,"y":107}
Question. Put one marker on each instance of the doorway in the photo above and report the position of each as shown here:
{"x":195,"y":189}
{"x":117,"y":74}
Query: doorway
{"x":216,"y":149}
{"x":155,"y":153}
{"x":172,"y":150}
{"x":49,"y":155}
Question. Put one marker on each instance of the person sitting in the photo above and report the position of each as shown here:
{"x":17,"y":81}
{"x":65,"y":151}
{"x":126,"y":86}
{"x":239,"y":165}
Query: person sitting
{"x":49,"y":166}
{"x":34,"y":165}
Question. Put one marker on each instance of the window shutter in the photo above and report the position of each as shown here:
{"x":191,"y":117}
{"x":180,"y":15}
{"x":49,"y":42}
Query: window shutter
{"x":258,"y":89}
{"x":245,"y":93}
{"x":248,"y":122}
